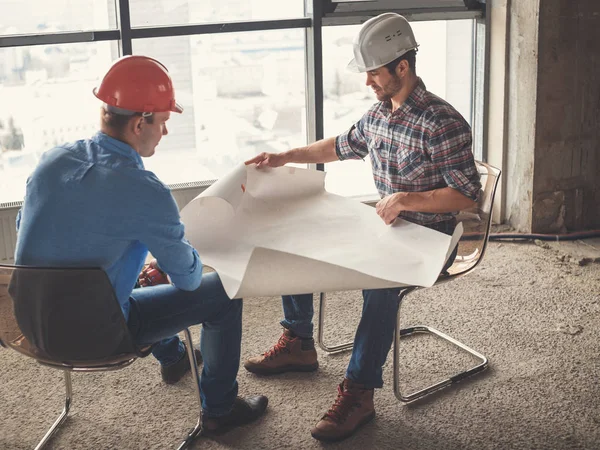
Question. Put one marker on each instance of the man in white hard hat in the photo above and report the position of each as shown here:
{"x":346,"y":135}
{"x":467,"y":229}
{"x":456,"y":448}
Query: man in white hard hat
{"x":424,"y":170}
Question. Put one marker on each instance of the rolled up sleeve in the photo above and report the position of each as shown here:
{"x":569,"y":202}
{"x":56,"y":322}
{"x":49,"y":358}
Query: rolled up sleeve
{"x":352,"y":144}
{"x":450,"y":146}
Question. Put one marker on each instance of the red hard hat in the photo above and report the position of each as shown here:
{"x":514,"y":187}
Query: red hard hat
{"x":140,"y":84}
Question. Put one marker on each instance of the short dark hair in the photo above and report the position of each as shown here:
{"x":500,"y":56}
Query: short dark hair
{"x":410,"y":57}
{"x":118,"y":122}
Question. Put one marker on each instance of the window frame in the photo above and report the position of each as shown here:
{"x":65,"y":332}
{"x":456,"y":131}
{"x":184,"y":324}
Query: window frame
{"x":317,"y":14}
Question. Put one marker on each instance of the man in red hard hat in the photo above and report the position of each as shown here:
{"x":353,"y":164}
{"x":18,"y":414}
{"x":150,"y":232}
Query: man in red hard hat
{"x":138,"y":88}
{"x":92,"y":203}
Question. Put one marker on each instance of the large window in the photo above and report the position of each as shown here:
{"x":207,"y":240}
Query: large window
{"x":444,"y":63}
{"x":171,"y":12}
{"x":239,"y":68}
{"x":243,"y":94}
{"x":55,"y":16}
{"x":47,"y":100}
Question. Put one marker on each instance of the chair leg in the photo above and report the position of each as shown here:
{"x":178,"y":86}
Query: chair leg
{"x":63,"y":415}
{"x":400,"y":333}
{"x":195,"y":432}
{"x":321,"y":331}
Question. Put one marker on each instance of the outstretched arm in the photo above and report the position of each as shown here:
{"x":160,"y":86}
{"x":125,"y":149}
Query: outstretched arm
{"x":322,"y":151}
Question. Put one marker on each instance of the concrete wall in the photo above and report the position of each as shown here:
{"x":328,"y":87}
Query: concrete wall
{"x":522,"y":106}
{"x":566,"y":181}
{"x":552,"y":159}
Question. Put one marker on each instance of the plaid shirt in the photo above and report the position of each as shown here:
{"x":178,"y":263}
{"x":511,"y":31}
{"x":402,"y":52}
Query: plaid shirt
{"x":423,"y":145}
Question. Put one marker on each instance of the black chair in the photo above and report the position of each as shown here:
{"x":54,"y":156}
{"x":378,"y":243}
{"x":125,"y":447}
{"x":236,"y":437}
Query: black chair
{"x":70,"y":319}
{"x":471,"y":248}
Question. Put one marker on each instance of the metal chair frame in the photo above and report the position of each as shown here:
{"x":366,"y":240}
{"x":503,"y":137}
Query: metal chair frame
{"x":115,"y":365}
{"x":192,"y":434}
{"x":400,"y":333}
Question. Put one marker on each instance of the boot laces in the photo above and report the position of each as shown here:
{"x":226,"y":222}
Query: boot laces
{"x":281,"y":346}
{"x":341,"y":407}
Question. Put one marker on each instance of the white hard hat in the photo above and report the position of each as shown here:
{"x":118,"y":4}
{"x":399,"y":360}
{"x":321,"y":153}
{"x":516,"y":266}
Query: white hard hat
{"x":381,"y":40}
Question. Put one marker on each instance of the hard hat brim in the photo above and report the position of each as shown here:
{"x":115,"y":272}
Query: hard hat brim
{"x":353,"y":66}
{"x":177,"y":108}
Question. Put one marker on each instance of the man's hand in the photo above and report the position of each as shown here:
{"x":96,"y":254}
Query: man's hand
{"x":151,"y":275}
{"x":389,"y":207}
{"x":268,"y":160}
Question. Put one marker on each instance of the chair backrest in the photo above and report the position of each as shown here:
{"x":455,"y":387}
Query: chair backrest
{"x":476,"y":222}
{"x":66,"y":317}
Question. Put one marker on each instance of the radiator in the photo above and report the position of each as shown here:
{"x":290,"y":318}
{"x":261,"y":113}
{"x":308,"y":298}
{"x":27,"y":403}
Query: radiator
{"x":8,"y":233}
{"x":183,"y":194}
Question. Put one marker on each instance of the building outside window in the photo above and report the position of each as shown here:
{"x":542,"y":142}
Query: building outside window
{"x":243,"y":92}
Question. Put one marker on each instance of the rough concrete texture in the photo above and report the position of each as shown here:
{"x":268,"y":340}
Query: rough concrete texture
{"x":582,"y":252}
{"x":567,"y":153}
{"x":531,"y":310}
{"x":522,"y":106}
{"x":553,"y":155}
{"x":549,"y":212}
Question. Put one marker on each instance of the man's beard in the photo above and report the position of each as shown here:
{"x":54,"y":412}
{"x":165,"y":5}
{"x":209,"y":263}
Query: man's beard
{"x":386,"y":92}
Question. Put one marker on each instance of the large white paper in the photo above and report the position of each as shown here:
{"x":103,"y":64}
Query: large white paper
{"x":287,"y":235}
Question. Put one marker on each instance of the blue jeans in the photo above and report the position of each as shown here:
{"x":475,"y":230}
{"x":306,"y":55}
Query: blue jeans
{"x":373,"y":338}
{"x":375,"y":332}
{"x":158,"y":313}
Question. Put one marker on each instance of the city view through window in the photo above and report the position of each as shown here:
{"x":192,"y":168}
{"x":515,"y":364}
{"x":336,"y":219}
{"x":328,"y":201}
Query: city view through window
{"x":243,"y":93}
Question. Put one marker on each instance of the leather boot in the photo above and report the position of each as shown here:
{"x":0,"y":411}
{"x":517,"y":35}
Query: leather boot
{"x":352,"y":408}
{"x":290,"y":354}
{"x":245,"y":410}
{"x":172,"y":373}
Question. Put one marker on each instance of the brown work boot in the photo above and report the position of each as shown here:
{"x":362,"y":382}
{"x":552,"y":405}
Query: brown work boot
{"x":352,"y":408}
{"x":290,"y":354}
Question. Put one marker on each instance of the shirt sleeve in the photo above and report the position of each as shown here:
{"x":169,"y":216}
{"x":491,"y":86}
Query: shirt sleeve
{"x":352,"y":144}
{"x":450,"y":146}
{"x":164,"y":235}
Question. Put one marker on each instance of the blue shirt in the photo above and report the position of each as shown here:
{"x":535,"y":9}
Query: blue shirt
{"x":91,"y":203}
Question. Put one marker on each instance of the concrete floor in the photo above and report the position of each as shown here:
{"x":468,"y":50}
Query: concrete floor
{"x":534,"y":310}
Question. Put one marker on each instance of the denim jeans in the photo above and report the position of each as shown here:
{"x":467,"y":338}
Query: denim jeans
{"x":158,"y":313}
{"x":298,"y":314}
{"x":375,"y":332}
